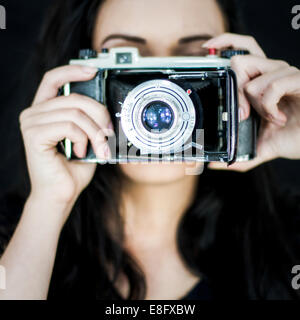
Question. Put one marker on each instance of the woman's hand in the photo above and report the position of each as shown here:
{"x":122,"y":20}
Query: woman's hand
{"x":51,"y":119}
{"x":272,"y":87}
{"x":55,"y":181}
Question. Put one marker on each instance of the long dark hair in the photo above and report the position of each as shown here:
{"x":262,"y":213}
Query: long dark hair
{"x":239,"y":231}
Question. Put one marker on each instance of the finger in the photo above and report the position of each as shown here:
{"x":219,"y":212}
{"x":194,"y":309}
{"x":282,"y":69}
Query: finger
{"x":56,"y":78}
{"x":46,"y":136}
{"x":264,"y":153}
{"x":265,"y":92}
{"x":247,"y":68}
{"x":235,"y":41}
{"x":84,"y":122}
{"x":102,"y":150}
{"x":244,"y":105}
{"x":89,"y":106}
{"x":237,"y":166}
{"x":278,"y":89}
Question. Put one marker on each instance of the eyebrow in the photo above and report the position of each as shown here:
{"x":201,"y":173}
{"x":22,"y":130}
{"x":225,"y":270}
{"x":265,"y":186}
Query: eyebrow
{"x":199,"y":37}
{"x":125,"y":37}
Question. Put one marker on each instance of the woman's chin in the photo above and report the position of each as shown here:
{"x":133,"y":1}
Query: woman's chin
{"x":160,"y":173}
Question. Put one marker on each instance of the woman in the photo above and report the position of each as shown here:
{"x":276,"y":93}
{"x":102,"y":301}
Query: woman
{"x":136,"y":231}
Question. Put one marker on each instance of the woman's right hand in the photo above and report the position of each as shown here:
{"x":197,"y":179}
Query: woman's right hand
{"x":51,"y":119}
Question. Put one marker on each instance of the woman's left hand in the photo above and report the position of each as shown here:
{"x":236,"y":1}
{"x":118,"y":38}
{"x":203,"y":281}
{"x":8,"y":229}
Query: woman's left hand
{"x":272,"y":87}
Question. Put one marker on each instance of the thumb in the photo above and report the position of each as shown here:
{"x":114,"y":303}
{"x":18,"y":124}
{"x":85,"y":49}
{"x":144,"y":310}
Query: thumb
{"x":236,"y":166}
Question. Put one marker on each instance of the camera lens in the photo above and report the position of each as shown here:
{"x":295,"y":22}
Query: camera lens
{"x":157,"y":117}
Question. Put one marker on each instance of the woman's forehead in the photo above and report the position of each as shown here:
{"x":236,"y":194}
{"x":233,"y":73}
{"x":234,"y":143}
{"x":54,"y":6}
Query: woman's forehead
{"x":159,"y":21}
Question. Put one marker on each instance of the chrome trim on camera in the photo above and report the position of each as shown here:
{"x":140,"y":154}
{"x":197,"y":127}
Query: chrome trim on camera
{"x":183,"y":109}
{"x":110,"y":60}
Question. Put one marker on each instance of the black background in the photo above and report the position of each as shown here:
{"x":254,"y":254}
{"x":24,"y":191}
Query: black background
{"x":268,"y":21}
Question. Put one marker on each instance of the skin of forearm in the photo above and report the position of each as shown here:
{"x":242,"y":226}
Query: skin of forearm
{"x":30,"y":255}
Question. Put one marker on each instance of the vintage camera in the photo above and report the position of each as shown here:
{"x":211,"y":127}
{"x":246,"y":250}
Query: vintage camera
{"x":168,"y":108}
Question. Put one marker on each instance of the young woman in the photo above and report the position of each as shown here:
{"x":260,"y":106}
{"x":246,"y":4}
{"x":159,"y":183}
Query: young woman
{"x":135,"y":231}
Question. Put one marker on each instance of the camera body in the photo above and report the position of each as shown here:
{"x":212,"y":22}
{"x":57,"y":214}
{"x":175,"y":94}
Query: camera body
{"x":167,"y":108}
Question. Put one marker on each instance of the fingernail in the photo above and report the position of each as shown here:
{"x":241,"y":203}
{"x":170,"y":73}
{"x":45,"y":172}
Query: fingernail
{"x":89,"y":70}
{"x":108,"y":132}
{"x":241,"y":114}
{"x":107,"y":154}
{"x":111,"y":126}
{"x":100,"y":138}
{"x":281,"y":117}
{"x":100,"y":150}
{"x":80,"y":151}
{"x":280,"y":122}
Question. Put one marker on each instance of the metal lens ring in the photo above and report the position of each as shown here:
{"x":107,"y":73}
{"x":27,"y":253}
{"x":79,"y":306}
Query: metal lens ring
{"x":167,"y":101}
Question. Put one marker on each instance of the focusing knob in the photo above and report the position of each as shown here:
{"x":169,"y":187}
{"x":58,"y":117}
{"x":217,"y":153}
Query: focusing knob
{"x":229,"y":53}
{"x":87,"y":54}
